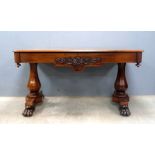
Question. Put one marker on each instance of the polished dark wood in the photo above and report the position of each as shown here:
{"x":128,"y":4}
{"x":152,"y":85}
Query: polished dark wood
{"x":78,"y":60}
{"x":120,"y":95}
{"x":35,"y":96}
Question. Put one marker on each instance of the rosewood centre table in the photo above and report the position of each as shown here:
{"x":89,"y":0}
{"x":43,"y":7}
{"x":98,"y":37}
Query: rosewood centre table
{"x":78,"y":60}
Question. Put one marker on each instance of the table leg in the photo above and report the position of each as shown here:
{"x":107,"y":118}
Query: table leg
{"x":119,"y":95}
{"x":35,"y":96}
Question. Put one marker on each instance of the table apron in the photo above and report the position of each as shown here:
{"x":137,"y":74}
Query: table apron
{"x":52,"y":57}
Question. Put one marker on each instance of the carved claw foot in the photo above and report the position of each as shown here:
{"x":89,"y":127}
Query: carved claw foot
{"x":124,"y":110}
{"x":28,"y":111}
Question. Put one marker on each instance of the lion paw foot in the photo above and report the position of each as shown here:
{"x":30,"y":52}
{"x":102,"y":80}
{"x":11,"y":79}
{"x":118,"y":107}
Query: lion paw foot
{"x":28,"y":111}
{"x":124,"y":110}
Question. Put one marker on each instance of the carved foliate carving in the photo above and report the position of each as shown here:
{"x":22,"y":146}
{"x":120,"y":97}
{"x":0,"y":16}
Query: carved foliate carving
{"x":78,"y":60}
{"x":78,"y":63}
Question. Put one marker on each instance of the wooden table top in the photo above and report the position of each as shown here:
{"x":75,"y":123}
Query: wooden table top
{"x":76,"y":50}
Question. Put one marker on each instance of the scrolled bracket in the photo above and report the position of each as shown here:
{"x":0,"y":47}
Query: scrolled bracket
{"x":138,"y":64}
{"x":138,"y":59}
{"x":18,"y":65}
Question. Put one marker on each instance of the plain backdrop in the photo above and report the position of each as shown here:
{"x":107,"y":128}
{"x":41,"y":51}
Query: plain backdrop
{"x":65,"y":82}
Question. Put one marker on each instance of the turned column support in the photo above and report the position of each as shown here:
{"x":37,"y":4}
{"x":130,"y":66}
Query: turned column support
{"x":35,"y":96}
{"x":121,"y":86}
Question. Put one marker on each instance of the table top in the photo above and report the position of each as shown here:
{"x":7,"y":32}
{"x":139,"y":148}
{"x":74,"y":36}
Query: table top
{"x":75,"y":50}
{"x":62,"y":57}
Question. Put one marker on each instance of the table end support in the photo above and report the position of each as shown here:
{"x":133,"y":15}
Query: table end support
{"x":120,"y":95}
{"x":35,"y":96}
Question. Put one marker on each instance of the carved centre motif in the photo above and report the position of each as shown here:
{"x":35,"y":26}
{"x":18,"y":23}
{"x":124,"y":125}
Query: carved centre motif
{"x":75,"y":61}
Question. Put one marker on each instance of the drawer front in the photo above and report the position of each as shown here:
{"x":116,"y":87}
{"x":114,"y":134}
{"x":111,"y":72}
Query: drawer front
{"x":77,"y":60}
{"x":58,"y":58}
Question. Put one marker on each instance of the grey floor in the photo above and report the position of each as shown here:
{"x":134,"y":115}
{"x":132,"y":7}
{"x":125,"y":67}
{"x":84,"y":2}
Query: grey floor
{"x":78,"y":110}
